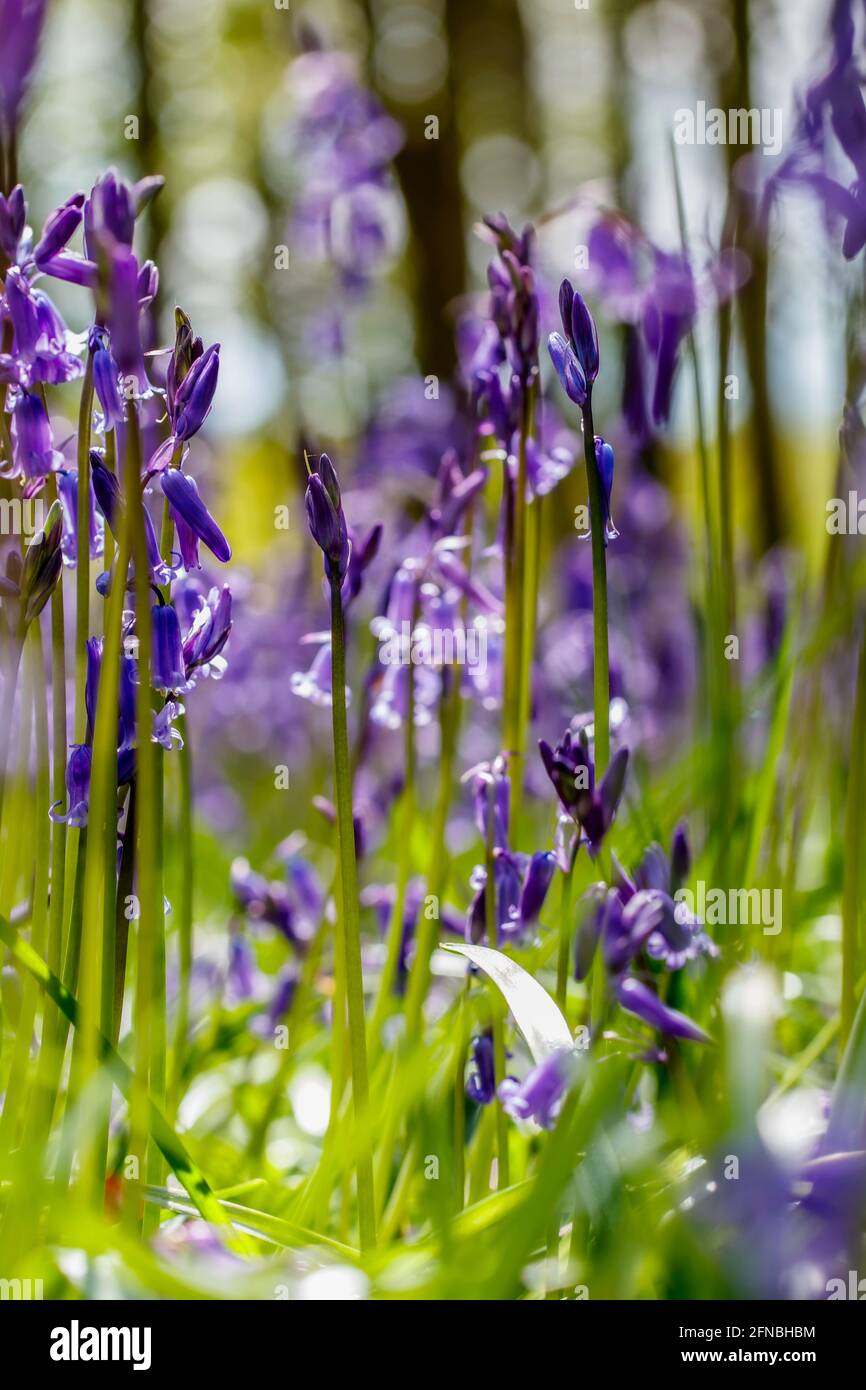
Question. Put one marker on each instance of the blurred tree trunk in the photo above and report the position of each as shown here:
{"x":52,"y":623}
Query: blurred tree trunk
{"x":737,"y":92}
{"x":486,"y":40}
{"x":147,"y":150}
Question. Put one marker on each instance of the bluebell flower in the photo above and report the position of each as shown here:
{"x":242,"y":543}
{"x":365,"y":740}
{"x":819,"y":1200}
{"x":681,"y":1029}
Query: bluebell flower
{"x":192,"y":518}
{"x":77,"y":787}
{"x":540,"y":1095}
{"x":572,"y":772}
{"x":208,"y":633}
{"x":325,"y":516}
{"x":168,"y":666}
{"x":481,"y":1083}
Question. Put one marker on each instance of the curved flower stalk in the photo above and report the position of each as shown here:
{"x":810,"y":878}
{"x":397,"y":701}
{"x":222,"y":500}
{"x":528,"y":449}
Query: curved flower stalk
{"x":328,"y":527}
{"x":511,"y":343}
{"x":576,"y":360}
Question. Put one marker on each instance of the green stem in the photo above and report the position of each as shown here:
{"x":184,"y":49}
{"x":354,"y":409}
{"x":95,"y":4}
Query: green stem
{"x":406,"y":826}
{"x":185,"y":901}
{"x":150,"y":982}
{"x":516,"y":742}
{"x":851,"y":871}
{"x":601,"y":661}
{"x":428,"y":926}
{"x":350,"y":926}
{"x":10,"y":685}
{"x":82,"y":571}
{"x":564,"y":952}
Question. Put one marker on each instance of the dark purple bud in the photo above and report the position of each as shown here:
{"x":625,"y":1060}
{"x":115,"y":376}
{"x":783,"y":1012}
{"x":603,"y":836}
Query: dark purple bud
{"x":328,"y":475}
{"x":639,"y":999}
{"x":187,"y":349}
{"x":584,"y":338}
{"x":612,"y":785}
{"x":195,"y":394}
{"x":542,"y":867}
{"x":189,"y":510}
{"x":681,"y":858}
{"x":481,"y":1084}
{"x":106,"y":489}
{"x":566,"y":299}
{"x":568,"y":369}
{"x":13,"y":218}
{"x":58,"y":229}
{"x":327,"y":525}
{"x":145,"y":190}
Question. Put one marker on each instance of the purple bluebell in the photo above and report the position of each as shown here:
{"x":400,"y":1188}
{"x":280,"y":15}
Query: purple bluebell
{"x":572,"y":772}
{"x":13,"y":220}
{"x":604,"y":462}
{"x":67,"y":487}
{"x":106,"y":381}
{"x":521,"y":882}
{"x":163,"y":729}
{"x":491,"y":796}
{"x":669,"y":314}
{"x":192,"y":518}
{"x":263,"y":901}
{"x":315,"y":684}
{"x":568,"y":369}
{"x":540,"y":1095}
{"x":106,"y":490}
{"x":168,"y":667}
{"x":580,"y":331}
{"x":241,"y":972}
{"x":279,"y":1004}
{"x":194,"y":396}
{"x":21,"y":26}
{"x":639,"y":999}
{"x":325,"y":517}
{"x":120,"y":300}
{"x":44,"y":348}
{"x":208,"y":633}
{"x":112,"y":209}
{"x":481,"y":1083}
{"x":362,"y":554}
{"x":514,"y":304}
{"x":77,"y":787}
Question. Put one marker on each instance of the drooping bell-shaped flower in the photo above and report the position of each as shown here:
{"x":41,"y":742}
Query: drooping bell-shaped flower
{"x":77,"y":787}
{"x":540,"y":1095}
{"x":192,"y":518}
{"x":572,"y":772}
{"x":169,"y":671}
